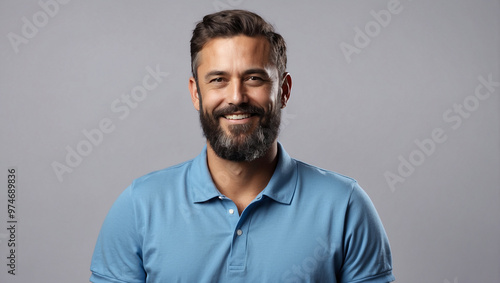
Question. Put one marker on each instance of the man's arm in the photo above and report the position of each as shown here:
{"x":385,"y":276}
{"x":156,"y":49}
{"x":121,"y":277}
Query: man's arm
{"x":367,"y":254}
{"x":118,"y":256}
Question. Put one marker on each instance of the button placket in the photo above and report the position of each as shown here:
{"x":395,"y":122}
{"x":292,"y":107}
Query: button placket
{"x":237,"y":259}
{"x":238,"y":255}
{"x":229,"y":212}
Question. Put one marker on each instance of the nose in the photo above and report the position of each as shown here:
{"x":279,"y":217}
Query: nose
{"x":237,"y":93}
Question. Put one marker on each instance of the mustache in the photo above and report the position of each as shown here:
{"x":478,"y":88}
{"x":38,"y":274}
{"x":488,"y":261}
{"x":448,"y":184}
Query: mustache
{"x":243,"y":108}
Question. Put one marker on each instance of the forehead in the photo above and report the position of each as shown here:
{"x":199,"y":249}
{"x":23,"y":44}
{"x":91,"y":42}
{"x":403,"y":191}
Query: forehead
{"x":236,"y":51}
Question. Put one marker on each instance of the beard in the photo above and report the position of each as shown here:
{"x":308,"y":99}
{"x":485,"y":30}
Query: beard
{"x":242,"y":143}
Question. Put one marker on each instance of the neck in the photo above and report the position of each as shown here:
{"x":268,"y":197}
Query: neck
{"x":242,"y":181}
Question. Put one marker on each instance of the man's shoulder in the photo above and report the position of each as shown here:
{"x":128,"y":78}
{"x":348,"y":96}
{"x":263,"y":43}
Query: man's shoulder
{"x":168,"y":171}
{"x":314,"y":172}
{"x":315,"y":178}
{"x":161,"y":178}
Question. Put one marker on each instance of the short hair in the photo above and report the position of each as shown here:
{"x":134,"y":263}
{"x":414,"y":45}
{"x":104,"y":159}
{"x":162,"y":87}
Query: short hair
{"x":229,"y":23}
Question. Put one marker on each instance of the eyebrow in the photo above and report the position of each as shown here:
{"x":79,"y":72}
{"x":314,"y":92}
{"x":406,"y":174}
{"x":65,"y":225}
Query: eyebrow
{"x":258,"y":71}
{"x":215,"y":73}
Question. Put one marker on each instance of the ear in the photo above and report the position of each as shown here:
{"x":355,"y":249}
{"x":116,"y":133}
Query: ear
{"x":193,"y":89}
{"x":286,"y":89}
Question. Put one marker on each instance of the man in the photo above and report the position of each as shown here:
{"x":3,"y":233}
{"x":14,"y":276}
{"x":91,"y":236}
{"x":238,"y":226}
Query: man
{"x":243,"y":210}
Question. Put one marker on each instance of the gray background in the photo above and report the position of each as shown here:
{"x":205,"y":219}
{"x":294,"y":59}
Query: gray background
{"x":356,"y":118}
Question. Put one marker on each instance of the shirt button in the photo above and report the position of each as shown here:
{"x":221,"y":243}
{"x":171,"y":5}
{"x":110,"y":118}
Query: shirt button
{"x":239,"y":232}
{"x":231,"y":211}
{"x":221,"y":197}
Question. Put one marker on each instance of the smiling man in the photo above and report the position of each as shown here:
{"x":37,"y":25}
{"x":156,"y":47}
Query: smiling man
{"x":243,"y":210}
{"x":239,"y":94}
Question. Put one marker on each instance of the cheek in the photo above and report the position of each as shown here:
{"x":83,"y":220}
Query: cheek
{"x":210,"y":102}
{"x":271,"y":98}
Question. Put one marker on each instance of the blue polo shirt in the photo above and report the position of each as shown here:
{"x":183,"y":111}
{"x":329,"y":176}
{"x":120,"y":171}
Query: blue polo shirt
{"x":307,"y":225}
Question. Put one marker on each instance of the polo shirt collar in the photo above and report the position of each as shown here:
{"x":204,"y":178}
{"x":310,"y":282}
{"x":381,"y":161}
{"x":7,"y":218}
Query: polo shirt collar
{"x":280,"y":188}
{"x":200,"y":181}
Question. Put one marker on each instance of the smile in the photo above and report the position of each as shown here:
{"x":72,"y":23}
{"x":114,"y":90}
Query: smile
{"x":237,"y":116}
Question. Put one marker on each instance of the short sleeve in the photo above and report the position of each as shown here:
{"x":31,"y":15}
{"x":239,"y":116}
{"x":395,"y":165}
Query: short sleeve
{"x":367,"y":254}
{"x":117,"y":256}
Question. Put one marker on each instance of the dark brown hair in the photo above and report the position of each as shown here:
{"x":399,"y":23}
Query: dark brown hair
{"x":230,"y":23}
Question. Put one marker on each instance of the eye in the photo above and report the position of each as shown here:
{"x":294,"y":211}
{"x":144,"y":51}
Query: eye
{"x":217,"y":80}
{"x":255,"y":81}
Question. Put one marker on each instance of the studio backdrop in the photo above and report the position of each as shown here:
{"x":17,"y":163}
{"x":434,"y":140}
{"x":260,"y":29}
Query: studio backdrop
{"x":401,"y":95}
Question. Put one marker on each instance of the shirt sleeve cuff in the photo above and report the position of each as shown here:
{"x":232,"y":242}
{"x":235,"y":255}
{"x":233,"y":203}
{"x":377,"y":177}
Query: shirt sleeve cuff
{"x":385,"y":277}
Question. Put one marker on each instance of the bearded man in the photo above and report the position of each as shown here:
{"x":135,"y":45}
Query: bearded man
{"x":243,"y":210}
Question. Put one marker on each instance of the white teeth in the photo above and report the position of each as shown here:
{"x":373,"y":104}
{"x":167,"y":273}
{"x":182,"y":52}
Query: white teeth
{"x":237,"y":116}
